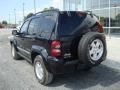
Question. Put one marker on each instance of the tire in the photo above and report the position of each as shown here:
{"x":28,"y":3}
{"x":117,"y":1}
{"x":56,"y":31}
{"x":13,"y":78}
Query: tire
{"x":92,"y":49}
{"x":14,"y":52}
{"x":46,"y":77}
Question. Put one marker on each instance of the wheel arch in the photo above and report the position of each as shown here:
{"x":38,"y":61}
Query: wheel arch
{"x":37,"y":50}
{"x":14,"y":43}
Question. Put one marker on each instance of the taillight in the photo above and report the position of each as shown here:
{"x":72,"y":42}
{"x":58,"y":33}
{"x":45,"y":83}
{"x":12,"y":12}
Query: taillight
{"x":56,"y":48}
{"x":100,"y":27}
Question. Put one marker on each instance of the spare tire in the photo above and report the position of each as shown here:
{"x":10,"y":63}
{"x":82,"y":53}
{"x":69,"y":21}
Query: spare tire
{"x":92,"y":49}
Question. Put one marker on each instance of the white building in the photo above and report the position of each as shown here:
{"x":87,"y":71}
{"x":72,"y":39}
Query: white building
{"x":108,"y":11}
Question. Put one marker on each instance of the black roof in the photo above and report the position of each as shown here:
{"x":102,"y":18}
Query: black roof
{"x":56,"y":10}
{"x":38,"y":13}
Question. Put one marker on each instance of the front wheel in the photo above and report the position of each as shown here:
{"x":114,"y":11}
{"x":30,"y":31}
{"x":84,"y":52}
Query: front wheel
{"x":44,"y":77}
{"x":14,"y":52}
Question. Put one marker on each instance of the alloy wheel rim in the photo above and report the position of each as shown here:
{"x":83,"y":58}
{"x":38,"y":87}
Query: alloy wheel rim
{"x":39,"y":70}
{"x":96,"y":49}
{"x":13,"y":51}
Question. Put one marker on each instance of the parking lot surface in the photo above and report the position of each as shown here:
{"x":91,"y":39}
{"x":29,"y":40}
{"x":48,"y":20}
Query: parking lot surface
{"x":19,"y":75}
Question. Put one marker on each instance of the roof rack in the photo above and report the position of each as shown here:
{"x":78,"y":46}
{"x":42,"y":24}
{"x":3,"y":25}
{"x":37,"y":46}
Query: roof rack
{"x":38,"y":13}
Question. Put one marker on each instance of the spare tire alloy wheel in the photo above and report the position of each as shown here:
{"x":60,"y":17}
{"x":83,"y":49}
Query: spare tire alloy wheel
{"x":92,"y":49}
{"x":96,"y":49}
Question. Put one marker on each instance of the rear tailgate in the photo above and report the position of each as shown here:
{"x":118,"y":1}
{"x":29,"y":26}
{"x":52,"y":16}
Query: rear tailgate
{"x":71,"y":27}
{"x":66,"y":46}
{"x":68,"y":22}
{"x":69,"y":45}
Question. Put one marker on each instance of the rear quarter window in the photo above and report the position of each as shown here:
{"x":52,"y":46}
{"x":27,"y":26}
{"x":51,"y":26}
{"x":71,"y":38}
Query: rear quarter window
{"x":47,"y":26}
{"x":48,"y":23}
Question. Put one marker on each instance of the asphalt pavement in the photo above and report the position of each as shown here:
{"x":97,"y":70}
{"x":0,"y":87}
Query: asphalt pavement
{"x":19,"y":75}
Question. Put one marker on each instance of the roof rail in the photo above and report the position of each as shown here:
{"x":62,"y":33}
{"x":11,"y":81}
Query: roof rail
{"x":45,"y":11}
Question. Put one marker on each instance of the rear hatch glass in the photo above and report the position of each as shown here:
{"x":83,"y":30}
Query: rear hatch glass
{"x":69,"y":21}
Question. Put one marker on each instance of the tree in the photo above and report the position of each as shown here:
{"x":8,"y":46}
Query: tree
{"x":1,"y":26}
{"x":118,"y":19}
{"x":29,"y":15}
{"x":50,"y":8}
{"x":4,"y":22}
{"x":45,"y":9}
{"x":118,"y":16}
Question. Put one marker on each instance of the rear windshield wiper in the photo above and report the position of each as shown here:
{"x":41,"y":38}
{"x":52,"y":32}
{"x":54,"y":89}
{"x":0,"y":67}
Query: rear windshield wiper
{"x":90,"y":13}
{"x":68,"y":13}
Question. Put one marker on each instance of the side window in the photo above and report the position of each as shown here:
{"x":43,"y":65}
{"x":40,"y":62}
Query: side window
{"x":31,"y":27}
{"x":34,"y":27}
{"x":42,"y":26}
{"x":24,"y":27}
{"x":47,"y":26}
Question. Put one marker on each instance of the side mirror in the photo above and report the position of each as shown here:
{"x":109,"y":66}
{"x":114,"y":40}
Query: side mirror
{"x":14,"y":32}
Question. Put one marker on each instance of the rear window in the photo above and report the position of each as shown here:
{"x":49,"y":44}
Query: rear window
{"x":69,"y":21}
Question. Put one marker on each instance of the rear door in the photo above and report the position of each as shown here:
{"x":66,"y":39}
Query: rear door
{"x":31,"y":38}
{"x":39,"y":32}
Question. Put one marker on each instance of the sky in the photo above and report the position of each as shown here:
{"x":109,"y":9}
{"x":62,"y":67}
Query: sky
{"x":7,"y":7}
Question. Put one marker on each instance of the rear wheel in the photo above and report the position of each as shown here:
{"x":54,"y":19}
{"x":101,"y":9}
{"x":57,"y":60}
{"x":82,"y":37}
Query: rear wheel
{"x":14,"y":52}
{"x":92,"y":49}
{"x":44,"y":77}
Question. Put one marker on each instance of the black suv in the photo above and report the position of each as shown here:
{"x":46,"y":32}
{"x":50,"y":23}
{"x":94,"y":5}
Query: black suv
{"x":56,"y":42}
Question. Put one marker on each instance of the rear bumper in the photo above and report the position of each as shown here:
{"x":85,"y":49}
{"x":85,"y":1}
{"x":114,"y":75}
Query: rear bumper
{"x":60,"y":66}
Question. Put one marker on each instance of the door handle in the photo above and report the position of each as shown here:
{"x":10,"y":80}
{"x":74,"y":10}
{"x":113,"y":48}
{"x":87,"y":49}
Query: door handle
{"x":31,"y":37}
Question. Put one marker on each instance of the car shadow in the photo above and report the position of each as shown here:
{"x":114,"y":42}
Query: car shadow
{"x":103,"y":75}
